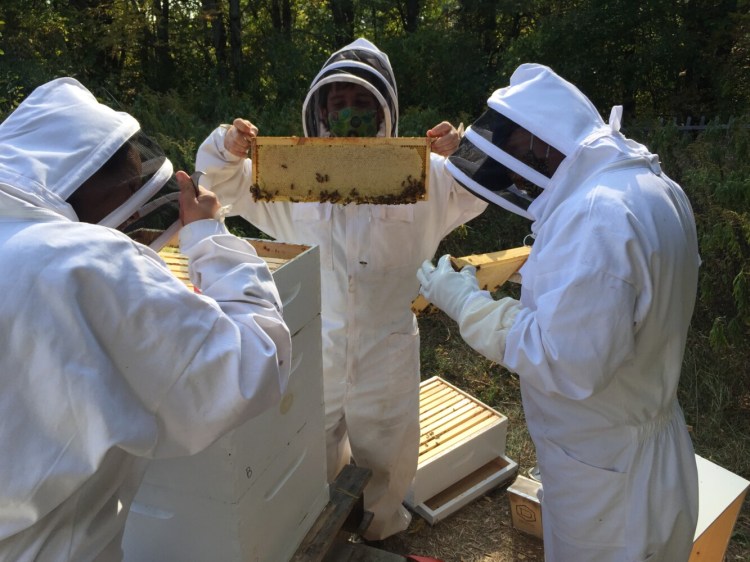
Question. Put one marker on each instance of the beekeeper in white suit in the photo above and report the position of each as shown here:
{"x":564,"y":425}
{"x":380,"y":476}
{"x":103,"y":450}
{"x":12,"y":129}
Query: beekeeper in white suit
{"x":369,"y":254}
{"x":598,"y":336}
{"x":107,"y":359}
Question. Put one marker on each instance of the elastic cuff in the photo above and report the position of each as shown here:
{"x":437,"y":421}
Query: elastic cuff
{"x":225,"y":154}
{"x":192,"y":233}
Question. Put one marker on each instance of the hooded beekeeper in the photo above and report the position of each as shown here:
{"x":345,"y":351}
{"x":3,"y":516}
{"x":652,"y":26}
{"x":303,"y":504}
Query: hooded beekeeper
{"x":598,"y":335}
{"x":368,"y":255}
{"x":109,"y":360}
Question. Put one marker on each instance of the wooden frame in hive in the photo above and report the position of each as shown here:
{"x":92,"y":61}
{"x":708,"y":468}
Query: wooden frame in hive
{"x":493,"y":270}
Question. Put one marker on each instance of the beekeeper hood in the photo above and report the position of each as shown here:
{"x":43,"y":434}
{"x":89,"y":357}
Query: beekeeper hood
{"x":360,"y":63}
{"x":530,"y":132}
{"x":58,"y":138}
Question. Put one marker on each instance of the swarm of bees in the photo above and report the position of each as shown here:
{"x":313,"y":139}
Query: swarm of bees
{"x":413,"y":190}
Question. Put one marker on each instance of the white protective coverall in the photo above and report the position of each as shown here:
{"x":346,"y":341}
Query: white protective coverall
{"x":599,"y":334}
{"x":369,"y":254}
{"x":107,"y":358}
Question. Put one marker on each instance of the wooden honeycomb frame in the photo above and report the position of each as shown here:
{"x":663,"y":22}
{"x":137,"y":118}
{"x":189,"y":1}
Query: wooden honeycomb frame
{"x":341,"y":170}
{"x":493,"y":270}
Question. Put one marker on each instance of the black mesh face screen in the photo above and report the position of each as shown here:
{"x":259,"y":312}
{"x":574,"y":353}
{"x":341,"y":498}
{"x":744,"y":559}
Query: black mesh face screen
{"x":154,"y":205}
{"x":358,"y":66}
{"x":477,"y":166}
{"x":495,"y":127}
{"x":368,"y":58}
{"x":132,"y":175}
{"x":158,"y":214}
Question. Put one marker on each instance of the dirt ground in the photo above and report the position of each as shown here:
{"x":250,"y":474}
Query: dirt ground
{"x":479,"y":532}
{"x":482,"y":532}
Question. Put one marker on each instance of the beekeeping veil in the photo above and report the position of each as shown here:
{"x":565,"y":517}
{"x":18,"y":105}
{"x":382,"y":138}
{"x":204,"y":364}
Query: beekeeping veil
{"x":60,"y":136}
{"x":360,"y":63}
{"x":537,"y":106}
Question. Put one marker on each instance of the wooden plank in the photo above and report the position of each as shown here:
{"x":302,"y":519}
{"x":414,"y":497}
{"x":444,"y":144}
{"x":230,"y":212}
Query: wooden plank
{"x":275,"y":254}
{"x":437,"y":401}
{"x":373,"y":170}
{"x":177,"y":264}
{"x":712,"y":545}
{"x":279,"y":250}
{"x":432,"y":397}
{"x":346,"y":492}
{"x":451,"y":404}
{"x":433,"y":423}
{"x":493,"y":270}
{"x":457,"y":417}
{"x":458,"y":435}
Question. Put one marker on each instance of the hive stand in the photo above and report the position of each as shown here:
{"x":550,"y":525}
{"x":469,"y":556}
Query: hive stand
{"x":329,"y":538}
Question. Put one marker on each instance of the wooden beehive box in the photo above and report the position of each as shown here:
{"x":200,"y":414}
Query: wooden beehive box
{"x":341,"y":170}
{"x":461,"y":450}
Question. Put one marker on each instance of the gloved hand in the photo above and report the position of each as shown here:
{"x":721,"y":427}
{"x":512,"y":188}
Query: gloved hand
{"x":447,"y":288}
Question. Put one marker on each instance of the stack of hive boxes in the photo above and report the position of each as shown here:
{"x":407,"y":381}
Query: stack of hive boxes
{"x":253,"y":494}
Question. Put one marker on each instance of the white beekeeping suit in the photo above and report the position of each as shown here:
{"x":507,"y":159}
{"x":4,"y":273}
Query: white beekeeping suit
{"x":369,"y":254}
{"x":599,"y":333}
{"x":107,"y":359}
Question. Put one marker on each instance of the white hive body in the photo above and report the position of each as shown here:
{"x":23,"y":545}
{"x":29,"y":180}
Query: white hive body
{"x":461,"y":450}
{"x":254,"y":494}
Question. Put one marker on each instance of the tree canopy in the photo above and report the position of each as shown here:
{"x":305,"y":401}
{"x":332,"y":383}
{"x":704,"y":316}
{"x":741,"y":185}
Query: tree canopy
{"x":662,"y":58}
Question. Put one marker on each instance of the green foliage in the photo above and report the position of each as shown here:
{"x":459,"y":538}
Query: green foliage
{"x":655,"y":58}
{"x":493,"y":230}
{"x":173,"y":125}
{"x":11,"y":94}
{"x":415,"y":121}
{"x":442,"y":70}
{"x":715,"y":174}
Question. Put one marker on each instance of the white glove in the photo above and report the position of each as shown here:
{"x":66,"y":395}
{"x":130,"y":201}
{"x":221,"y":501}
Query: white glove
{"x":447,"y":288}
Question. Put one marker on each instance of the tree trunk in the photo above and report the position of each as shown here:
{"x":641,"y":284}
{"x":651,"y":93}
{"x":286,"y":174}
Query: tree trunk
{"x":235,"y":43}
{"x":164,"y":64}
{"x":281,"y":16}
{"x":480,"y":16}
{"x":343,"y":21}
{"x":411,"y":17}
{"x":218,"y":36}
